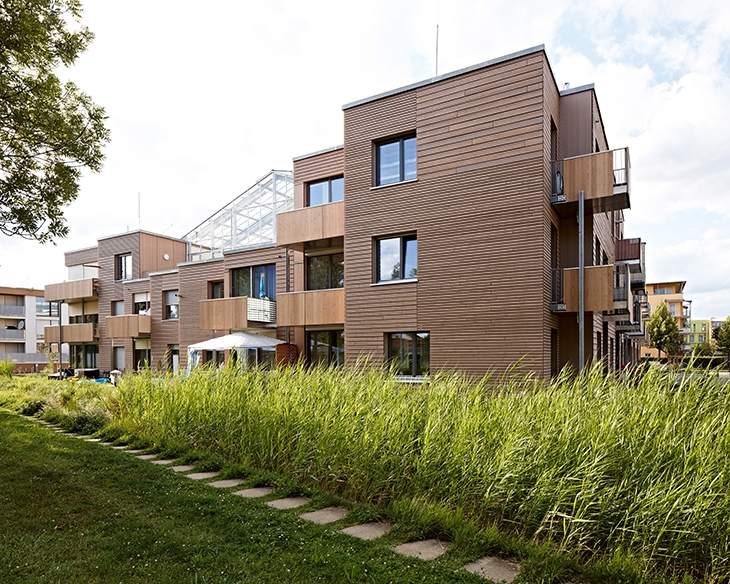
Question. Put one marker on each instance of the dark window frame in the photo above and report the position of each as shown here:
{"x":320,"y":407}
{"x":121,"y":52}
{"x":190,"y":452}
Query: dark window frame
{"x":122,"y":271}
{"x":328,"y":181}
{"x":333,"y":334}
{"x":216,"y":290}
{"x":169,"y":313}
{"x":401,"y":141}
{"x":414,"y":363}
{"x":330,"y":271}
{"x":403,"y":239}
{"x":253,"y":292}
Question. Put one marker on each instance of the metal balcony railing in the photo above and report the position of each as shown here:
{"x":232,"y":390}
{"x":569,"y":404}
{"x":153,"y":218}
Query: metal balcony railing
{"x":12,"y":335}
{"x":260,"y":310}
{"x":12,"y":311}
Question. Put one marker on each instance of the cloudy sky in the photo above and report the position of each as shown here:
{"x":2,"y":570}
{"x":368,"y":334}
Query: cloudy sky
{"x":204,"y":99}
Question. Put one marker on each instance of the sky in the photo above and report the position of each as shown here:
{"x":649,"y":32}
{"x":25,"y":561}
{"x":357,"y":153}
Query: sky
{"x":205,"y":99}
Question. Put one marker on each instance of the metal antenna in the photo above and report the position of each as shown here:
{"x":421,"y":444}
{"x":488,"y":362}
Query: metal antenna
{"x":438,"y":3}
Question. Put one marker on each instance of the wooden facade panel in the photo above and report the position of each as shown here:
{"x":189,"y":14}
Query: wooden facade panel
{"x":224,"y":314}
{"x":154,"y":248}
{"x":314,"y":168}
{"x":310,"y":224}
{"x":591,"y":173}
{"x":311,"y":308}
{"x":128,"y":326}
{"x":598,"y":288}
{"x":74,"y":290}
{"x":72,"y":333}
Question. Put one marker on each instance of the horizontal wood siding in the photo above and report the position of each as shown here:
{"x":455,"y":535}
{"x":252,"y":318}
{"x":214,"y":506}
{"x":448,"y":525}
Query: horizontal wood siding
{"x":477,"y":208}
{"x":314,"y":168}
{"x":164,"y":332}
{"x":90,"y":255}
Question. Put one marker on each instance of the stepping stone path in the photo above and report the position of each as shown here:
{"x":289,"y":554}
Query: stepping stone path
{"x":491,"y":568}
{"x":323,"y":516}
{"x":428,"y":549}
{"x":288,"y":503}
{"x":226,"y":484}
{"x":367,"y":531}
{"x":254,"y":493}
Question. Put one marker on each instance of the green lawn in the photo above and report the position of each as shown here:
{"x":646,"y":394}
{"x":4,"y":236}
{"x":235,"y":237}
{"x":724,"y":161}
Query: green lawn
{"x":74,"y":511}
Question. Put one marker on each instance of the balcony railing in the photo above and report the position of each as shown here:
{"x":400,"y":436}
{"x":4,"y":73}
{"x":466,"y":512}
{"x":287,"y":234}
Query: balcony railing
{"x":74,"y":290}
{"x":236,"y":313}
{"x":296,"y":228}
{"x":557,"y":299}
{"x":12,"y":311}
{"x":72,"y":333}
{"x":602,"y":176}
{"x":12,"y":334}
{"x":261,"y":310}
{"x":312,"y":308}
{"x":128,"y":326}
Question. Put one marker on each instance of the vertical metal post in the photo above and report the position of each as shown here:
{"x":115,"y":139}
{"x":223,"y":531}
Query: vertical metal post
{"x":60,"y":337}
{"x":581,"y":282}
{"x":287,"y":272}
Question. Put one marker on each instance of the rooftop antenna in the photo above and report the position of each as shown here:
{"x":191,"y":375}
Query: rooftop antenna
{"x":139,"y":210}
{"x":437,"y":37}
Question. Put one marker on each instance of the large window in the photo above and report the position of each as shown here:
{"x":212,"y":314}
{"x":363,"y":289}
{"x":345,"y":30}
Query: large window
{"x":395,"y":160}
{"x":325,"y":191}
{"x":326,"y":347}
{"x":43,"y":308}
{"x":325,"y":271}
{"x":142,"y":353}
{"x":254,"y":282}
{"x":171,"y":305}
{"x":117,"y":307}
{"x":123,"y":266}
{"x":396,"y":258}
{"x":84,"y":356}
{"x":409,"y":353}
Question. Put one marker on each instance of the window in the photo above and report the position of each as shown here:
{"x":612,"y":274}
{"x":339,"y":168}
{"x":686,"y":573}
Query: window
{"x":171,"y":305}
{"x":117,"y":307}
{"x":118,"y":358}
{"x":142,"y":353}
{"x":173,"y":358}
{"x":396,"y":258}
{"x":409,"y":353}
{"x":84,"y":356}
{"x":326,"y":348}
{"x":701,"y":338}
{"x":691,"y":338}
{"x":254,"y":282}
{"x":326,"y":191}
{"x":43,"y":308}
{"x":123,"y":266}
{"x":672,"y":309}
{"x":395,"y":160}
{"x":325,"y":271}
{"x":704,"y":328}
{"x":142,"y":303}
{"x":216,"y":290}
{"x":83,"y":319}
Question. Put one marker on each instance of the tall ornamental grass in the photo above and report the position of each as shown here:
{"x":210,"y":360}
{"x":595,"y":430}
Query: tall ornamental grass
{"x":599,"y":464}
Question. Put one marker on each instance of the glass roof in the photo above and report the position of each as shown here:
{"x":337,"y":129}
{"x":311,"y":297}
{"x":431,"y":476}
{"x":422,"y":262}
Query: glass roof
{"x":247,"y":222}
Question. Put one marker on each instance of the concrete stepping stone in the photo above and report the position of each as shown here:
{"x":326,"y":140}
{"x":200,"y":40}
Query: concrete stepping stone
{"x":146,"y":456}
{"x":254,"y":493}
{"x":135,"y":451}
{"x":288,"y":502}
{"x":93,"y":439}
{"x":427,"y":549}
{"x":494,"y":569}
{"x":183,"y":468}
{"x":226,"y":483}
{"x":200,"y":476}
{"x":166,"y":461}
{"x":323,"y":516}
{"x":119,"y":447}
{"x":367,"y":531}
{"x":106,"y":443}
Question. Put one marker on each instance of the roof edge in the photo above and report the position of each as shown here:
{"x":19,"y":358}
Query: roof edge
{"x":522,"y":53}
{"x":318,"y":152}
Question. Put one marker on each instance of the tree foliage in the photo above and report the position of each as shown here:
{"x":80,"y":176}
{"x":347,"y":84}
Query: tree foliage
{"x":49,"y":130}
{"x":703,"y":349}
{"x":663,"y":331}
{"x":723,"y":338}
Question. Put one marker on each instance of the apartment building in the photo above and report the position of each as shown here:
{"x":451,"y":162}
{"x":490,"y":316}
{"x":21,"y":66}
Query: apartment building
{"x":671,"y":294}
{"x":23,"y":315}
{"x":137,"y":298}
{"x":442,"y":234}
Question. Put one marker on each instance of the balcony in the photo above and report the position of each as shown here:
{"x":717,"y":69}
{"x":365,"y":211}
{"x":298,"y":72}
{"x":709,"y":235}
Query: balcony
{"x":604,"y":178}
{"x":128,"y":326}
{"x":12,"y":335}
{"x":236,"y":313}
{"x":74,"y":290}
{"x":8,"y":311}
{"x":72,"y":333}
{"x":297,"y":227}
{"x":313,"y":308}
{"x":598,"y":290}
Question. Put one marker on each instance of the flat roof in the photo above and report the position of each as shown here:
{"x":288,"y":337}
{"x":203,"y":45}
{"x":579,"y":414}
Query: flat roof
{"x":318,"y":152}
{"x":425,"y":82}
